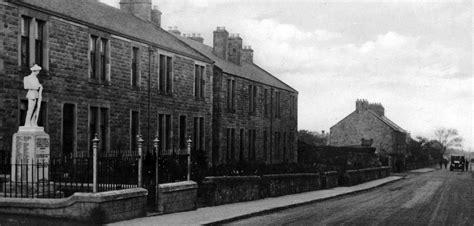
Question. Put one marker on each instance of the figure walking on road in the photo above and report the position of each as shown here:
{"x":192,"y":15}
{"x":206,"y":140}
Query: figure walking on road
{"x":445,"y":161}
{"x":467,"y":164}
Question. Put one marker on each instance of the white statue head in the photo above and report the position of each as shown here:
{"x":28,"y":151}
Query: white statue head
{"x":35,"y":68}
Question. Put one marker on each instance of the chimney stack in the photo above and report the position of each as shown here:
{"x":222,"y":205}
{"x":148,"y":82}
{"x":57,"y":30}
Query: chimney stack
{"x":377,"y":108}
{"x":247,"y":54}
{"x":235,"y":47}
{"x":156,"y":16}
{"x":361,"y":105}
{"x":174,"y":30}
{"x":221,"y":37}
{"x":196,"y":37}
{"x":139,"y":8}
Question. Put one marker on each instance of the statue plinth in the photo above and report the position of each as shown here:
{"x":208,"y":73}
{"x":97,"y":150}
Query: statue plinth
{"x":30,"y":155}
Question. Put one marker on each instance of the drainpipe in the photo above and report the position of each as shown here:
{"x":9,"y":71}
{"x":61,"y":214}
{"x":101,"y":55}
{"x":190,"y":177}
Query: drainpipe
{"x":151,"y":59}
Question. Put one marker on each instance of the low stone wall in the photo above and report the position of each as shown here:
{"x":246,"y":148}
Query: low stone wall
{"x":223,"y":190}
{"x":329,"y":179}
{"x":353,"y":177}
{"x":176,"y":197}
{"x":102,"y":207}
{"x":284,"y":184}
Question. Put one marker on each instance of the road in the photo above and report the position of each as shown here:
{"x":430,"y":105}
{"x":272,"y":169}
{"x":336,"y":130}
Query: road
{"x":440,"y":197}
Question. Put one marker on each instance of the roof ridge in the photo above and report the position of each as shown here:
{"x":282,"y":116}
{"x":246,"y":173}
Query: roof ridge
{"x":390,"y":123}
{"x":272,"y":75}
{"x":245,"y":66}
{"x":98,"y":15}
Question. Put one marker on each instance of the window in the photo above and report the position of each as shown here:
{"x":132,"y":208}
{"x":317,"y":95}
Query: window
{"x":265,"y":102}
{"x":252,"y":99}
{"x":32,"y":42}
{"x":292,"y":106}
{"x":291,"y":141}
{"x":251,"y":143}
{"x":164,"y":133}
{"x":165,"y":75}
{"x":25,"y":41}
{"x":242,"y":143}
{"x":92,"y":52}
{"x":230,"y":148}
{"x":231,"y":94}
{"x":265,"y":141}
{"x":68,"y":129}
{"x":134,"y":130}
{"x":135,"y":67}
{"x":199,"y":82}
{"x":98,"y":59}
{"x":277,"y":144}
{"x":284,"y":146}
{"x":198,"y":139}
{"x":182,"y":132}
{"x":42,"y":117}
{"x":277,"y":105}
{"x":99,"y":124}
{"x":39,"y":40}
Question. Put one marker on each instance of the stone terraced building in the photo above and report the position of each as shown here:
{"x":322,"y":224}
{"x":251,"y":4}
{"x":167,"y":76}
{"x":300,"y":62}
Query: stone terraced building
{"x":254,"y":113}
{"x":117,"y":73}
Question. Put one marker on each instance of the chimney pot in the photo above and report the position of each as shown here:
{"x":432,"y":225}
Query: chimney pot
{"x":247,"y":54}
{"x":175,"y":31}
{"x":196,"y":37}
{"x":139,"y":8}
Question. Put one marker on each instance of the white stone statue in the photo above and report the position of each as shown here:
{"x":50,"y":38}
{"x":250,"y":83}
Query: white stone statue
{"x":35,"y":89}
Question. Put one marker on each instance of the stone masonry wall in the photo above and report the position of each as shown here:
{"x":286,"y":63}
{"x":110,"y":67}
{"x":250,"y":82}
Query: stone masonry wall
{"x":101,"y":207}
{"x":360,"y":125}
{"x":241,"y":119}
{"x":176,"y":197}
{"x":67,"y":81}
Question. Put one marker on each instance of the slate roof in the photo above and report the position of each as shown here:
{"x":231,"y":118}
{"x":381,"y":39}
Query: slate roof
{"x":114,"y":20}
{"x":246,"y":70}
{"x":388,"y":122}
{"x":384,"y":119}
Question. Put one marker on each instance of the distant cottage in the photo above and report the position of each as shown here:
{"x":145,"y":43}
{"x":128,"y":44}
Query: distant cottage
{"x":368,"y":125}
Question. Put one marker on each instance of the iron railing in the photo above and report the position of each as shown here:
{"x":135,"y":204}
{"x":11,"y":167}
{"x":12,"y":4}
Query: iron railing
{"x":61,"y":177}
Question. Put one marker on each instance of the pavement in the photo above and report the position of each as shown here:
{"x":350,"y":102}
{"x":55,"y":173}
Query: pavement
{"x":422,"y":170}
{"x":235,"y":211}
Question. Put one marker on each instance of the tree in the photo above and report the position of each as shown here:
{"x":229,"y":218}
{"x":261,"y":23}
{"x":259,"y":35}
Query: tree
{"x":448,"y":138}
{"x":312,"y":138}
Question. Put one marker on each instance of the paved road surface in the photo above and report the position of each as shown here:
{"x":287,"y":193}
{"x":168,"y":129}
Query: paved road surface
{"x":440,"y":197}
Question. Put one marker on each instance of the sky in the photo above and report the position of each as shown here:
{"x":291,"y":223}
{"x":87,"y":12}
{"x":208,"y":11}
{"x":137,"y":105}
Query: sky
{"x":413,"y":57}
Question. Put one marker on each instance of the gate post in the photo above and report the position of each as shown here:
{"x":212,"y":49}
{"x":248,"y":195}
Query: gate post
{"x":156,"y":142}
{"x":140,"y":159}
{"x":188,"y":177}
{"x":95,"y":145}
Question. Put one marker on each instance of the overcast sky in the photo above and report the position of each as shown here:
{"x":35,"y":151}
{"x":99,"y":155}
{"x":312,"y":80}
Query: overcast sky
{"x":414,"y":57}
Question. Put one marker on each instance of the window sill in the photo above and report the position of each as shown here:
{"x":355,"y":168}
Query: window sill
{"x":137,"y":88}
{"x":231,"y":111}
{"x":165,"y":94}
{"x":98,"y":82}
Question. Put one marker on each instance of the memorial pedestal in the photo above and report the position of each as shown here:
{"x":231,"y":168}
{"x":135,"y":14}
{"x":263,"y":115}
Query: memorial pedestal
{"x":30,"y":155}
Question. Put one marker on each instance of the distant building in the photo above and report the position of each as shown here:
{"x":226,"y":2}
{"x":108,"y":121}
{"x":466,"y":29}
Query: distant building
{"x":254,"y":113}
{"x":369,"y":125}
